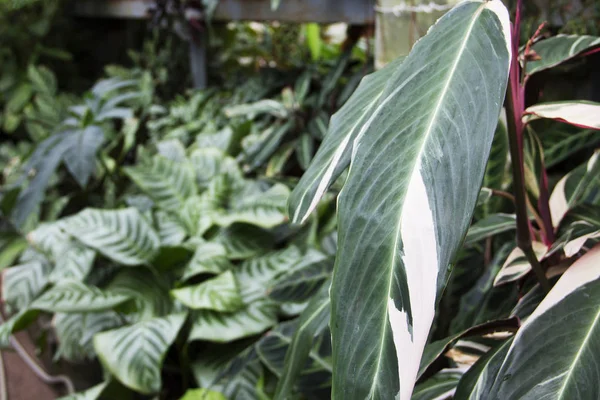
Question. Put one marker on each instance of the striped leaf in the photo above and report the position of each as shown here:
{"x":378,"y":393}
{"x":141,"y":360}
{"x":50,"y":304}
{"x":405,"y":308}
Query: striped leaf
{"x":490,"y":226}
{"x":334,"y":153}
{"x":21,"y":284}
{"x":559,"y":49}
{"x":303,"y":280}
{"x":17,"y":322}
{"x":440,"y":386}
{"x":497,"y":172}
{"x":168,"y":183}
{"x":75,"y":331}
{"x":516,"y":265}
{"x":171,"y":230}
{"x":254,"y":274}
{"x":121,"y":235}
{"x":134,"y":354}
{"x":211,"y":162}
{"x":554,"y":354}
{"x":75,"y":264}
{"x":583,"y":114}
{"x":244,"y":241}
{"x":265,"y":209}
{"x":148,"y":290}
{"x":227,"y":327}
{"x":218,"y":294}
{"x":74,"y":296}
{"x":416,"y":172}
{"x":209,"y":258}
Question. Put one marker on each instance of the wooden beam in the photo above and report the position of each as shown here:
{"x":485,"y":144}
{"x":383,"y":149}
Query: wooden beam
{"x":323,"y":11}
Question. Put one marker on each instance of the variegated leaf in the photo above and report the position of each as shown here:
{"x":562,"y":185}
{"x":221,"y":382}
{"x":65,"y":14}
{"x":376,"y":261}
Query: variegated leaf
{"x":220,"y":293}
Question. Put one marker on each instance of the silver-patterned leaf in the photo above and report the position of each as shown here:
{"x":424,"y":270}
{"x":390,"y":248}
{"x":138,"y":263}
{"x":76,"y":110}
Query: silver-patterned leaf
{"x":220,"y":293}
{"x":134,"y":354}
{"x":121,"y":235}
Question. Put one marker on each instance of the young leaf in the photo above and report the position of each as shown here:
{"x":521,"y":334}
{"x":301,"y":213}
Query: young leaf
{"x":80,"y":157}
{"x":416,"y":172}
{"x":134,"y":354}
{"x":121,"y":235}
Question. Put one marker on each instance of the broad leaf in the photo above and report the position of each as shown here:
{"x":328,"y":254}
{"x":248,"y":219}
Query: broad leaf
{"x":121,"y":235}
{"x":553,"y":355}
{"x":334,"y":153}
{"x":171,"y":230}
{"x":218,"y":294}
{"x":134,"y":354}
{"x":227,"y":327}
{"x":75,"y":264}
{"x":73,"y":296}
{"x":416,"y":173}
{"x":563,"y":140}
{"x":168,"y":183}
{"x":211,"y":162}
{"x":558,"y":49}
{"x":583,"y":114}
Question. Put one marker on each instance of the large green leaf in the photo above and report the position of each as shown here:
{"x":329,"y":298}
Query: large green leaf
{"x":560,"y":141}
{"x":134,"y":354}
{"x":415,"y":176}
{"x":584,"y":114}
{"x":169,"y":183}
{"x":334,"y":153}
{"x":202,"y":394}
{"x":171,"y":230}
{"x":558,"y":49}
{"x":75,"y":264}
{"x":122,"y":235}
{"x":554,"y":354}
{"x":220,"y":293}
{"x":74,"y":296}
{"x":227,"y":327}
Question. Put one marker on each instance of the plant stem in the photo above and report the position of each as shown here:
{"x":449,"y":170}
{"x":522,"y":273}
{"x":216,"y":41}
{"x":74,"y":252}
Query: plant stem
{"x":515,"y":131}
